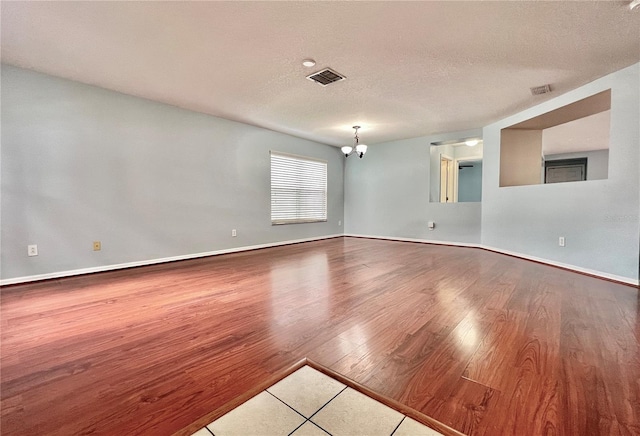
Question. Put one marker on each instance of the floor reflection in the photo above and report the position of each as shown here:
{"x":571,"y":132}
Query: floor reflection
{"x":299,"y":290}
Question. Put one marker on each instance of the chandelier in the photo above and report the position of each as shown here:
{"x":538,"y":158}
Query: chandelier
{"x":359,"y":149}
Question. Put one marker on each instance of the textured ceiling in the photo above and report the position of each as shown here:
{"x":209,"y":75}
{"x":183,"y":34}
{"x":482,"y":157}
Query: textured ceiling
{"x":413,"y":68}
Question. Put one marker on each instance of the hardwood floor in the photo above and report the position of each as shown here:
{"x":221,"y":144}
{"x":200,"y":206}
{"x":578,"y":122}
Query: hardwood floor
{"x":485,"y":343}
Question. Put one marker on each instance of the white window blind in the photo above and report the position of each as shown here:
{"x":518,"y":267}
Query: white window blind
{"x":298,"y":189}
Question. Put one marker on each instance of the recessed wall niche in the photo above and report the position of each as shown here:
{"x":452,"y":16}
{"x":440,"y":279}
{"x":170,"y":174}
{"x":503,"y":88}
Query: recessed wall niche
{"x":568,"y":144}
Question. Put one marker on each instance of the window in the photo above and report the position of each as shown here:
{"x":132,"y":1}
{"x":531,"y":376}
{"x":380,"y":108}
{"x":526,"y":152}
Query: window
{"x":298,"y":189}
{"x":566,"y":136}
{"x":455,"y":171}
{"x":565,"y":170}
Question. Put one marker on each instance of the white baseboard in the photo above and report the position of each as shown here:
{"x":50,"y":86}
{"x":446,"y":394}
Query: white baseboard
{"x":423,"y":241}
{"x":604,"y":275}
{"x":75,"y":272}
{"x":622,"y":279}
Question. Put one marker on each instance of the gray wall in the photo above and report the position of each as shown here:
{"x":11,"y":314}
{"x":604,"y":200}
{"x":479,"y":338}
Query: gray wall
{"x":80,"y":163}
{"x":387,"y":194}
{"x":599,"y":218}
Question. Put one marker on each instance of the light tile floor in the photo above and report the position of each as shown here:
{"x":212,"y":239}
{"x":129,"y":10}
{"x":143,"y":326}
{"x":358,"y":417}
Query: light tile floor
{"x":309,"y":403}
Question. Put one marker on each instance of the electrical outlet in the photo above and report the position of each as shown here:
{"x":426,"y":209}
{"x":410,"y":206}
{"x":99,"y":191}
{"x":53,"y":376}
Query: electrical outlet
{"x":32,"y":250}
{"x":233,"y":233}
{"x":97,"y":246}
{"x":561,"y":241}
{"x":339,"y":223}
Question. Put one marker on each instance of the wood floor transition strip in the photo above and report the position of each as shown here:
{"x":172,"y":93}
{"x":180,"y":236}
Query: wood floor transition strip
{"x":389,"y":402}
{"x":396,"y":405}
{"x":222,"y":410}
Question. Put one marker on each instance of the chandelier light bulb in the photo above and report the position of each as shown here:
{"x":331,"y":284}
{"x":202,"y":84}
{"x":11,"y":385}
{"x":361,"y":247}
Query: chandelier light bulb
{"x":361,"y":149}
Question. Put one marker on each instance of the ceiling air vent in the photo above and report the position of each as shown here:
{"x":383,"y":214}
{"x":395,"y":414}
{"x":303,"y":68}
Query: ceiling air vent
{"x":537,"y":90}
{"x":326,"y":77}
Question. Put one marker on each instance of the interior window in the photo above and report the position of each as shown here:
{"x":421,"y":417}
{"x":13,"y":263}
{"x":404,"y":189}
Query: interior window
{"x":568,"y":144}
{"x":456,"y":171}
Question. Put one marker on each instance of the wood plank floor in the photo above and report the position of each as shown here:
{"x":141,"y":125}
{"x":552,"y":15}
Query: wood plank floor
{"x":485,"y":343}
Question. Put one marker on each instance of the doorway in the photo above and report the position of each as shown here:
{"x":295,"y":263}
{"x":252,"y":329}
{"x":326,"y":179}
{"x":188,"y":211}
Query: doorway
{"x":447,"y":180}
